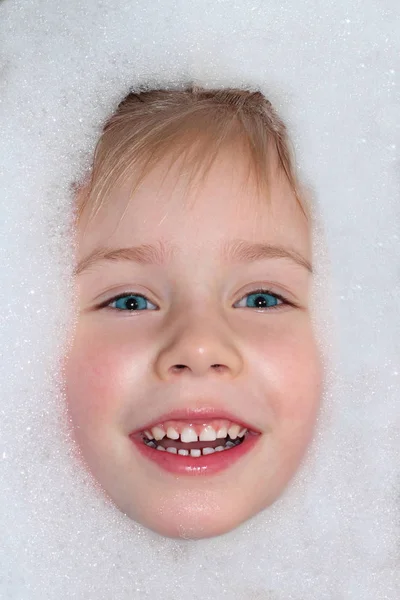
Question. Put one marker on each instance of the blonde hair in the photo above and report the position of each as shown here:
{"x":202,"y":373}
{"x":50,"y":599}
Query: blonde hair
{"x":195,"y":123}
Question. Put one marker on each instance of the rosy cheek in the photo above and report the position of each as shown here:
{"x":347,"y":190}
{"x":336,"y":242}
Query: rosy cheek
{"x":94,"y":380}
{"x":298,"y":378}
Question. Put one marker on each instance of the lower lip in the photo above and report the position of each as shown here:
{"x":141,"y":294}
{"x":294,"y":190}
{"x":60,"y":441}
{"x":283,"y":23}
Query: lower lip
{"x":204,"y":465}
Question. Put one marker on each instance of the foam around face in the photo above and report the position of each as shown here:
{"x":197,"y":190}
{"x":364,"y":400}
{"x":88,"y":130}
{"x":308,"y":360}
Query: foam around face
{"x":331,"y":72}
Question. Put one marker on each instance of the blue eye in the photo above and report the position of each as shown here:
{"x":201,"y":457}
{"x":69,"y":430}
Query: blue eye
{"x":260,"y":299}
{"x":136,"y":302}
{"x":130,"y":302}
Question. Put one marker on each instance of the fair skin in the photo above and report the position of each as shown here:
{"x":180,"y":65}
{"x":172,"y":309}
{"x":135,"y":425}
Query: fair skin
{"x":121,"y":372}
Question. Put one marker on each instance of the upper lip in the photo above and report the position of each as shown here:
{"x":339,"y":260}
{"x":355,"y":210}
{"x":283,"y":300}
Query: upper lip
{"x":187,"y":414}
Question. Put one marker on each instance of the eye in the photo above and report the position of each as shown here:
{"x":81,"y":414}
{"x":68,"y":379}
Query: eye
{"x":261,"y":299}
{"x":129,"y":302}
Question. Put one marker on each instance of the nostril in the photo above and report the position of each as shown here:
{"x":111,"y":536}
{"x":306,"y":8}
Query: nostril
{"x":218,"y":367}
{"x":175,"y":368}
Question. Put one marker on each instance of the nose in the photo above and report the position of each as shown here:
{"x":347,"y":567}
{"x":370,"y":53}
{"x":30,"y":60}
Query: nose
{"x":198,"y":347}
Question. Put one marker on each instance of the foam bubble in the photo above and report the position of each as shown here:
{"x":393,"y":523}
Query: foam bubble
{"x":331,"y":71}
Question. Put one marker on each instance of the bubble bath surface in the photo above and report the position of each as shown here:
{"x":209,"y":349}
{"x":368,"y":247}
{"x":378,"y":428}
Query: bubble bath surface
{"x":331,"y":70}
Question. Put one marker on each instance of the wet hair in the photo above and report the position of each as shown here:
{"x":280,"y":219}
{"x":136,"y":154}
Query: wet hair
{"x":193,"y":124}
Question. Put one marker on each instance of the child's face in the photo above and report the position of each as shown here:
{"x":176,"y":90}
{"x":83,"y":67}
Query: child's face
{"x":194,"y":348}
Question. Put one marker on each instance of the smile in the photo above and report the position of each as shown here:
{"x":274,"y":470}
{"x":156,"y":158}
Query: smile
{"x":201,"y":440}
{"x":203,"y":447}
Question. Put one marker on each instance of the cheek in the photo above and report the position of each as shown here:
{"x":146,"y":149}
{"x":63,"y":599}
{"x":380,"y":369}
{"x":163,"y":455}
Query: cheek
{"x":299,"y":376}
{"x":293,"y":382}
{"x":300,"y":382}
{"x":98,"y":377}
{"x":294,"y":371}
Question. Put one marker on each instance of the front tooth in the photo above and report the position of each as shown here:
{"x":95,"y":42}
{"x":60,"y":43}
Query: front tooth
{"x":158,"y":433}
{"x":172,"y":433}
{"x":233,"y":431}
{"x":183,"y":452}
{"x":208,"y":434}
{"x":188,"y":435}
{"x":219,"y":448}
{"x":172,"y":450}
{"x":208,"y":451}
{"x":195,"y":452}
{"x":222,"y":433}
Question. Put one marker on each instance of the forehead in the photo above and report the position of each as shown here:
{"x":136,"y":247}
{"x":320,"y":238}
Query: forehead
{"x":225,"y":204}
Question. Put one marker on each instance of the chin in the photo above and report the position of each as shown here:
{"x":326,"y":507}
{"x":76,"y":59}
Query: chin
{"x":193,"y":517}
{"x":193,"y":528}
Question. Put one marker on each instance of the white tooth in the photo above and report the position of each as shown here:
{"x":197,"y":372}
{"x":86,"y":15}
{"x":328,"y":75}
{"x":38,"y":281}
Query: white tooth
{"x":188,"y":435}
{"x":208,"y":434}
{"x":183,"y":452}
{"x":242,"y":432}
{"x":219,"y":448}
{"x":208,"y":451}
{"x":223,"y":432}
{"x":161,"y":448}
{"x":172,"y":433}
{"x":233,"y":431}
{"x":158,"y":433}
{"x":172,"y":450}
{"x":148,"y":434}
{"x":195,"y":452}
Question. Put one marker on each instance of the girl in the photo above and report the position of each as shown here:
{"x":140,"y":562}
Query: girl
{"x":194,"y":379}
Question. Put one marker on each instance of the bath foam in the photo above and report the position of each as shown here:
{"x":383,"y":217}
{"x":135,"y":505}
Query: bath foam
{"x":332,"y":72}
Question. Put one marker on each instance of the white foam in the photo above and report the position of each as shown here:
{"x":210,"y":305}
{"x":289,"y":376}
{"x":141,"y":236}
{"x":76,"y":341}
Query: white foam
{"x":331,"y":70}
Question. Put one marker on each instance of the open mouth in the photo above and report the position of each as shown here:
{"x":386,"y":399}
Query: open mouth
{"x":194,"y":440}
{"x":195,"y":446}
{"x":195,"y":449}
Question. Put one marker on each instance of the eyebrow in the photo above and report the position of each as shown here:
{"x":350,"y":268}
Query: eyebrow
{"x":244,"y":252}
{"x":236,"y":251}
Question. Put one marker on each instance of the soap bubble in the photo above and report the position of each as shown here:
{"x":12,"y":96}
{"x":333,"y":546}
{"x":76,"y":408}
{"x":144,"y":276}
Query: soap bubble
{"x":331,"y":71}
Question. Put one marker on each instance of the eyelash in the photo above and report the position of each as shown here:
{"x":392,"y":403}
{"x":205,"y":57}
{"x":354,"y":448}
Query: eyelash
{"x":279,"y":297}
